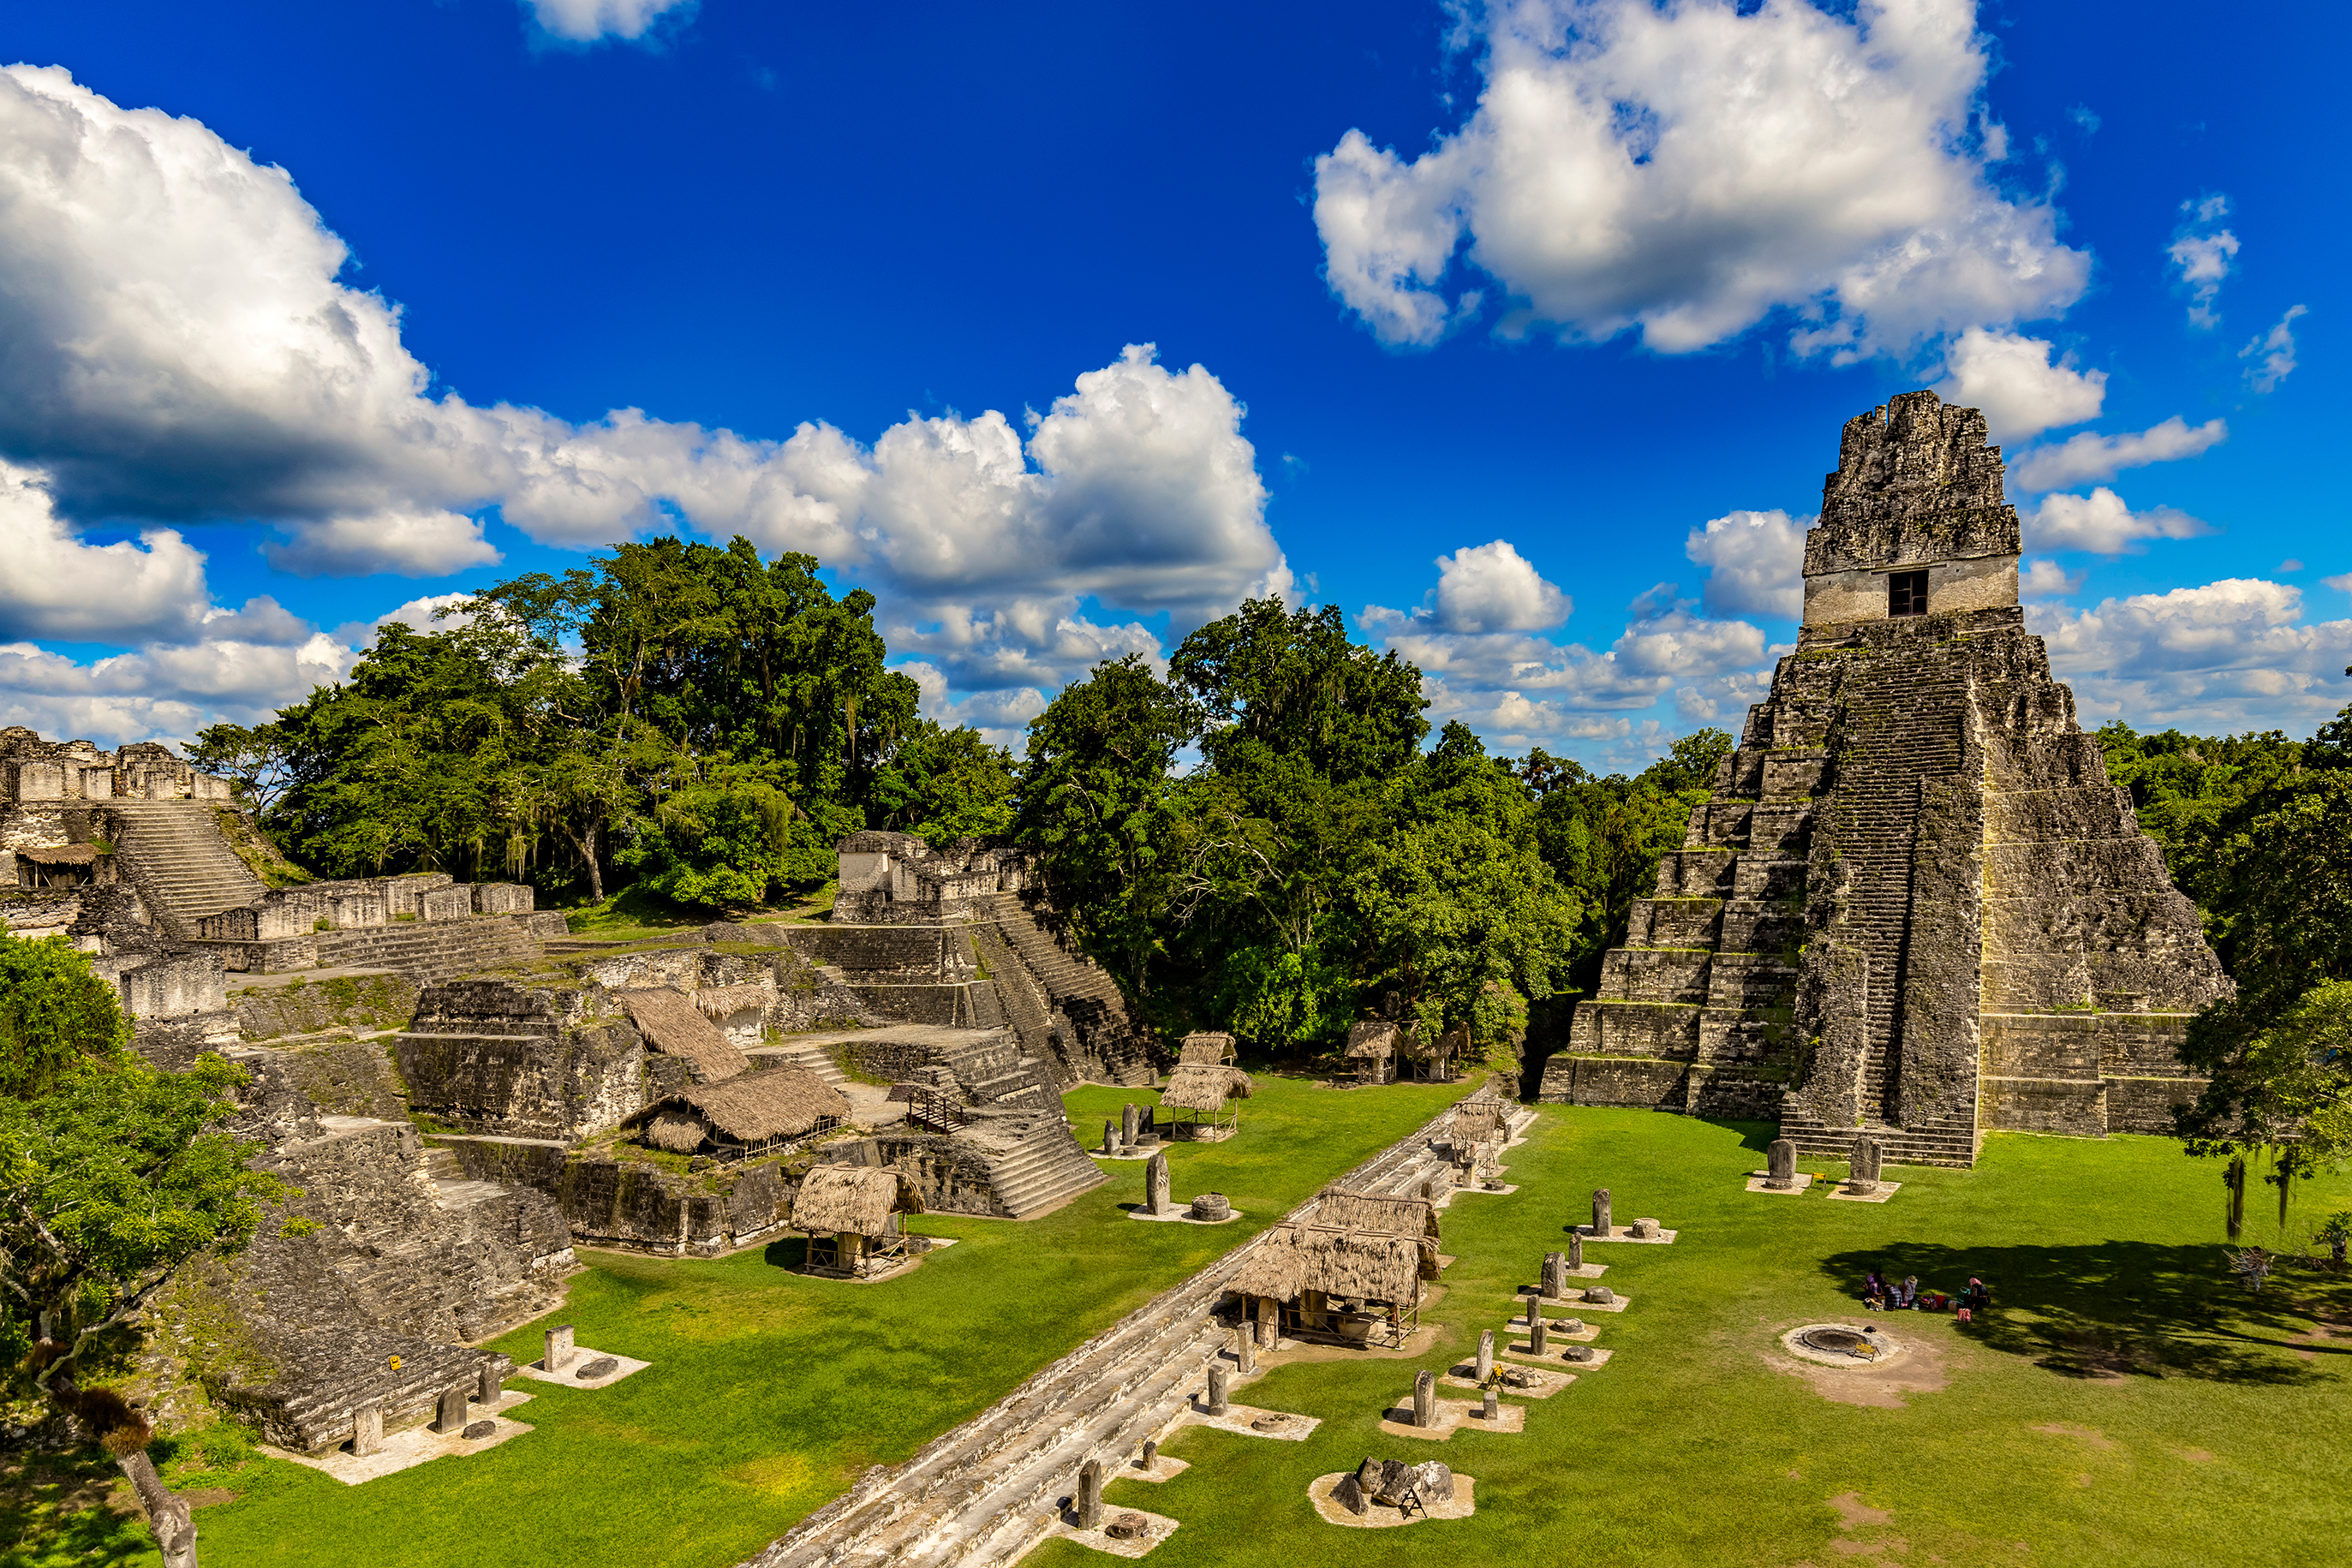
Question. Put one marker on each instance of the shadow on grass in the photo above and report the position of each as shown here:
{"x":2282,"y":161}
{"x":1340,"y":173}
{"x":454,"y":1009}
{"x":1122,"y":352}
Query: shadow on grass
{"x":790,"y":1252}
{"x":54,"y":1509}
{"x":2115,"y":1309}
{"x":1757,"y":1135}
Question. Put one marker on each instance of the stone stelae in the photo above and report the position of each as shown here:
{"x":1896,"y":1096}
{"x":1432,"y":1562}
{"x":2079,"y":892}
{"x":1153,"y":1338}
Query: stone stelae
{"x":1914,"y":904}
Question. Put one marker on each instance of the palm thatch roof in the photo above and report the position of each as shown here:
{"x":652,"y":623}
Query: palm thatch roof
{"x":1393,"y":1214}
{"x":751,"y":1108}
{"x":1295,"y":1259}
{"x":1474,"y":1121}
{"x":1195,"y":1088}
{"x":858,"y":1200}
{"x":676,"y":1130}
{"x":1372,"y":1040}
{"x":59,"y":854}
{"x":1433,"y":1048}
{"x":673,"y":1026}
{"x":724,"y":1001}
{"x":1209,"y":1049}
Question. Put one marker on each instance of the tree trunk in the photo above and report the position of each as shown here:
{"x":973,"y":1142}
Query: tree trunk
{"x":167,"y":1514}
{"x":2235,"y":1178}
{"x":587,"y":841}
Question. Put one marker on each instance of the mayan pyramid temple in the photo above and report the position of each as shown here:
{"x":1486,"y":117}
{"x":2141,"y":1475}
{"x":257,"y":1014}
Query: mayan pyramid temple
{"x":1914,"y":905}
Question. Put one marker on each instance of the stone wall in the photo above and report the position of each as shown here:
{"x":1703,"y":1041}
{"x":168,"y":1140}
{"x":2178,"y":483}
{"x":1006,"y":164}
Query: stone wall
{"x":498,"y":1057}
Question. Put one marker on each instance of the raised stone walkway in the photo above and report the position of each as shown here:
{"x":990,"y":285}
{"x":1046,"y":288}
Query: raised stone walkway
{"x":985,"y":1493}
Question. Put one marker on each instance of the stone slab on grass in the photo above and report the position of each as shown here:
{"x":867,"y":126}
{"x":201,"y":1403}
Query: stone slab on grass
{"x":1182,"y":1211}
{"x":626,"y":1367}
{"x":1579,"y":1336}
{"x":1454,"y":1415}
{"x":1503,"y":1191}
{"x":1756,"y":1183}
{"x":1461,"y":1505}
{"x":1524,"y":1350}
{"x":1886,"y":1189}
{"x":1156,"y":1528}
{"x":1292,"y":1428}
{"x":1664,"y":1237}
{"x":1546,"y":1381}
{"x":1161,"y":1469}
{"x":416,"y":1446}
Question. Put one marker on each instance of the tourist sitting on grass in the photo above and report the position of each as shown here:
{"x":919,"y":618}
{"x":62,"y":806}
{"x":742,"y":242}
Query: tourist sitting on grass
{"x":1909,"y":1299}
{"x":1976,"y":1298}
{"x":1873,"y":1293}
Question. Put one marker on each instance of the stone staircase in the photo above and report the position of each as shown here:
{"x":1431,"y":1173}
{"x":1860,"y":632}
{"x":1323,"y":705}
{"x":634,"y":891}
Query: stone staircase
{"x":434,"y":950}
{"x":1081,"y":989}
{"x":985,"y":1493}
{"x":1034,"y":1162}
{"x":180,"y":863}
{"x":1951,"y":1142}
{"x":1903,"y":726}
{"x":814,"y":1058}
{"x":992,"y":1075}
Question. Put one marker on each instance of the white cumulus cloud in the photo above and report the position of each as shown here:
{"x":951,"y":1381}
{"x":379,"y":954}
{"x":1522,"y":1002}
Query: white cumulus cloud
{"x":2271,"y":355}
{"x":2231,"y":656}
{"x":2010,"y":378}
{"x":176,"y":345}
{"x":2086,"y":459}
{"x":585,"y":21}
{"x":56,"y":586}
{"x":2101,"y":523}
{"x":1755,"y":561}
{"x":1490,"y":588}
{"x":2203,"y":254}
{"x":1684,"y":170}
{"x":2044,"y":578}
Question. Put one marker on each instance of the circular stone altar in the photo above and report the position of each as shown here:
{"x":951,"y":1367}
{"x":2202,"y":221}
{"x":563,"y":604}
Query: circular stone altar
{"x":1843,"y":1344}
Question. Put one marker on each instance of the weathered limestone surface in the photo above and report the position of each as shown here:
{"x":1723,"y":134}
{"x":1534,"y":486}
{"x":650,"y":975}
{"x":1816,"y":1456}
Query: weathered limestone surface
{"x":498,"y":1058}
{"x":1914,"y":902}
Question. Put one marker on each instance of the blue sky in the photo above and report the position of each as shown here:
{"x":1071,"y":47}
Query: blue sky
{"x":1523,"y":334}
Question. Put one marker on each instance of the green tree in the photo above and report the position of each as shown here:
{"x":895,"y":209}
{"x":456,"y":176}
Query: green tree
{"x":944,"y":784}
{"x":1458,"y":910}
{"x":1092,"y":800}
{"x":54,"y":1014}
{"x":111,"y":1175}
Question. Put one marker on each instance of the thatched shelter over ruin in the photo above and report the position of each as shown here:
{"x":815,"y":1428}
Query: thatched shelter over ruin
{"x":1372,"y":1047}
{"x":751,"y":1114}
{"x":1202,"y":1093}
{"x":851,"y":1213}
{"x":1390,"y":1214}
{"x":1337,"y":1282}
{"x":1433,"y":1055}
{"x":1210,"y":1048}
{"x":673,"y":1026}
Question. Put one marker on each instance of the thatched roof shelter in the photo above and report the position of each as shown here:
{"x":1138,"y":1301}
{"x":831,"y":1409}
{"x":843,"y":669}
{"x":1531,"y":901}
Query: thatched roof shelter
{"x":1209,"y":1049}
{"x":752,"y":1109}
{"x":724,"y":1001}
{"x":1433,"y":1048}
{"x":1293,"y":1260}
{"x":857,"y":1200}
{"x":1389,"y":1213}
{"x":1475,"y":1120}
{"x":1197,"y":1088}
{"x":59,"y":854}
{"x":1372,"y":1040}
{"x":673,"y":1026}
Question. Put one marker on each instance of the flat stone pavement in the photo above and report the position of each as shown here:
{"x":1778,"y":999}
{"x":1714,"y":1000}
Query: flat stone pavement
{"x":985,"y":1493}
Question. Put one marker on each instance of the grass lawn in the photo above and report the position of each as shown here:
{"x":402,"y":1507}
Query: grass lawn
{"x":2125,"y":1403}
{"x":768,"y":1393}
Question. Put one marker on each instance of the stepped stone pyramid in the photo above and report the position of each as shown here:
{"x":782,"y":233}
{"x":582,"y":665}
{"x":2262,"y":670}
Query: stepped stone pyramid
{"x":1914,"y":904}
